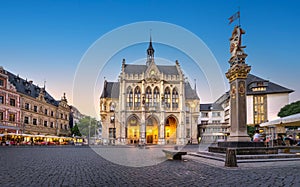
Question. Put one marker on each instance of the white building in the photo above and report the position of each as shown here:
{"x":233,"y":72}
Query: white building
{"x":264,"y":101}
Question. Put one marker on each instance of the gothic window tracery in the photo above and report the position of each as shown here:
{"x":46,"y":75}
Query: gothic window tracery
{"x":137,"y":97}
{"x":167,"y":97}
{"x":175,"y":98}
{"x":148,"y":97}
{"x":129,"y":97}
{"x":156,"y":96}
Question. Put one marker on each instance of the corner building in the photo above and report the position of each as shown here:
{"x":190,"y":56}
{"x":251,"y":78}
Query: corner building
{"x":150,"y":104}
{"x":30,"y":109}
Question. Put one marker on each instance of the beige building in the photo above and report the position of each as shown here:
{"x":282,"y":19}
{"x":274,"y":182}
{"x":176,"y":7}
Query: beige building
{"x":150,"y":104}
{"x":35,"y":110}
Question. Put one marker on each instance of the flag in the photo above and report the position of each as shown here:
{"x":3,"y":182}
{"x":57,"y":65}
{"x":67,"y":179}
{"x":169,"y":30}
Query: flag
{"x":234,"y":17}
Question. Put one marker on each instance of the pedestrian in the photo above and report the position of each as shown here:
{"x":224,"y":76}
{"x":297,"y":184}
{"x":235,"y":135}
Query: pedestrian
{"x":257,"y":136}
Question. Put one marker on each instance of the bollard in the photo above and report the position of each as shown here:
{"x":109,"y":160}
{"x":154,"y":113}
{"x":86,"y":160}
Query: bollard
{"x":231,"y":158}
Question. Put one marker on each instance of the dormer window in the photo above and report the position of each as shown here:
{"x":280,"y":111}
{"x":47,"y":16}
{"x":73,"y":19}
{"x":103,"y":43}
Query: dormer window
{"x":259,"y":86}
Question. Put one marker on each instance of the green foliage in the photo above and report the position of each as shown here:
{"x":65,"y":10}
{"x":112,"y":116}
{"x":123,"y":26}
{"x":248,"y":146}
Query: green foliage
{"x":290,"y":109}
{"x":75,"y":130}
{"x":250,"y":130}
{"x":84,"y":124}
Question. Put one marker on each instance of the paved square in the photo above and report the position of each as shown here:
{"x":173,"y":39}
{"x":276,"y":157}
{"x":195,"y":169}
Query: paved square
{"x":81,"y":166}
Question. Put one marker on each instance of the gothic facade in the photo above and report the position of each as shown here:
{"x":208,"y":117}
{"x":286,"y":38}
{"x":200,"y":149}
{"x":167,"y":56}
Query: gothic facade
{"x":150,"y":104}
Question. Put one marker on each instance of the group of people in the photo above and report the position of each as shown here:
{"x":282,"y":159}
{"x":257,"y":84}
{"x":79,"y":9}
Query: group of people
{"x":289,"y":140}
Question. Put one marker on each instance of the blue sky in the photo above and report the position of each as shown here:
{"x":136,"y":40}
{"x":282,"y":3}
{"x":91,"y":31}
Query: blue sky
{"x":45,"y":40}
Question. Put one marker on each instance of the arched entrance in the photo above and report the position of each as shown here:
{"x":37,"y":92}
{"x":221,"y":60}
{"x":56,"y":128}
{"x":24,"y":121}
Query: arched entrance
{"x":171,"y":130}
{"x":152,"y":130}
{"x":133,"y":130}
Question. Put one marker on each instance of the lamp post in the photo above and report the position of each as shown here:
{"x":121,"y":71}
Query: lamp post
{"x":144,"y":133}
{"x":89,"y":133}
{"x":114,"y":131}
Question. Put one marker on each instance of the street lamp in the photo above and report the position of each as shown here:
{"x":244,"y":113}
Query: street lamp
{"x":113,"y":120}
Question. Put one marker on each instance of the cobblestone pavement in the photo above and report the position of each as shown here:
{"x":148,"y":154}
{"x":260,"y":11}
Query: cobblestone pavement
{"x":81,"y":166}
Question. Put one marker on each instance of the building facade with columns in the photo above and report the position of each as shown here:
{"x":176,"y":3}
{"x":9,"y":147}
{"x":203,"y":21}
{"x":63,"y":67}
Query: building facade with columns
{"x":150,"y":104}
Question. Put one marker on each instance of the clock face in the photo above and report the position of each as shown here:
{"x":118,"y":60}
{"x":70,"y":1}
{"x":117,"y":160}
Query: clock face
{"x":152,"y":72}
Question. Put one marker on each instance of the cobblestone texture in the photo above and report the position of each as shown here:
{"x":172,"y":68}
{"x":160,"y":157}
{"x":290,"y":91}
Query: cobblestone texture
{"x":81,"y":166}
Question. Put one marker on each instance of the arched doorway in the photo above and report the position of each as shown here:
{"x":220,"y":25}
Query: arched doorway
{"x":171,"y":130}
{"x":133,"y":130}
{"x":152,"y":130}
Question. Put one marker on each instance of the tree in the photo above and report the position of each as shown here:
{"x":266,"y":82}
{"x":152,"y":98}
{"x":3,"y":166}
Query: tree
{"x":75,"y":131}
{"x":290,"y":109}
{"x":84,"y":124}
{"x":250,"y":130}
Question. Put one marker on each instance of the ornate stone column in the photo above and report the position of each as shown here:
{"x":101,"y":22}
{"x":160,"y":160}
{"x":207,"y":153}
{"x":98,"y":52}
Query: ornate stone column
{"x":237,"y":75}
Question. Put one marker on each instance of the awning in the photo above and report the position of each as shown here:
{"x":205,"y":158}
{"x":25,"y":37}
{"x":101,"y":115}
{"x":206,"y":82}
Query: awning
{"x":292,"y":120}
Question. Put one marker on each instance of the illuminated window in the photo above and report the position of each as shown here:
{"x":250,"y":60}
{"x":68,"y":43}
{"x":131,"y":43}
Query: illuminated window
{"x":12,"y":117}
{"x":129,"y":97}
{"x":260,"y":109}
{"x":112,"y":107}
{"x":175,"y":98}
{"x":259,"y":89}
{"x":148,"y":101}
{"x":156,"y":96}
{"x":137,"y":97}
{"x":167,"y":97}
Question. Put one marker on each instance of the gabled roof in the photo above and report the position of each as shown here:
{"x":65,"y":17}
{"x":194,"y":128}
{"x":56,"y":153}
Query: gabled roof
{"x":168,"y":70}
{"x":139,"y":69}
{"x":223,"y":98}
{"x":28,"y":88}
{"x":134,"y":69}
{"x":271,"y":87}
{"x":189,"y":92}
{"x":111,"y":90}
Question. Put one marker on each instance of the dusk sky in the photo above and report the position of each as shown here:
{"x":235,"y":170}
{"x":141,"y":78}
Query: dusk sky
{"x":46,"y":40}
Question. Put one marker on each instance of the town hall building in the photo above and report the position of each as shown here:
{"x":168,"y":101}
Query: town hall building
{"x":151,"y":104}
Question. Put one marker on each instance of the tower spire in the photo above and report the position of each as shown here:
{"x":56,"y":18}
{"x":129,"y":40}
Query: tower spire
{"x":150,"y":52}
